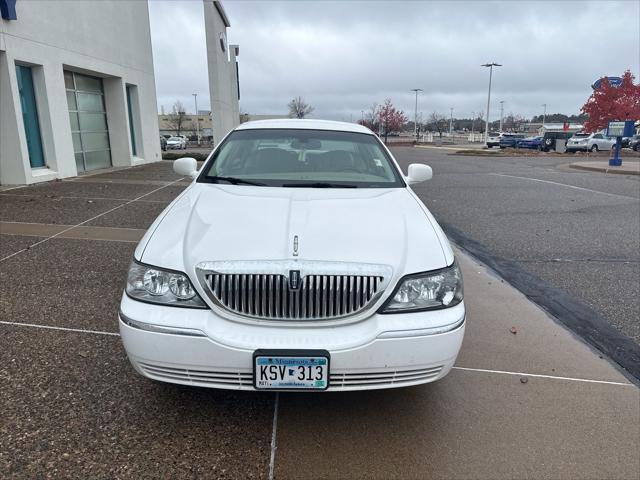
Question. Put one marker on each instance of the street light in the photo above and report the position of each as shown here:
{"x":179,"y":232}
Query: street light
{"x":544,"y":113}
{"x":501,"y":113}
{"x":415,"y":118}
{"x":195,"y":97}
{"x":486,"y":128}
{"x":473,"y":121}
{"x":451,"y":121}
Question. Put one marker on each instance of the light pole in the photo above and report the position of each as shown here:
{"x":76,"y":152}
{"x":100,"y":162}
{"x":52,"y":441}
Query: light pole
{"x":195,"y":97}
{"x":473,"y":121}
{"x":451,"y":121}
{"x":544,"y":113}
{"x":490,"y":65}
{"x":501,"y":113}
{"x":415,"y":118}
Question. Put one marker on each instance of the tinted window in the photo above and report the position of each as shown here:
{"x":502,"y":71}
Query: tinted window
{"x":298,"y":158}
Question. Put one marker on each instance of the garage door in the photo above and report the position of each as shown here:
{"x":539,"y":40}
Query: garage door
{"x":88,"y":118}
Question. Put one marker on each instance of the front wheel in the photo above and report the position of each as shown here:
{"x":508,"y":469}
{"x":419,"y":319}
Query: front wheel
{"x":594,"y":148}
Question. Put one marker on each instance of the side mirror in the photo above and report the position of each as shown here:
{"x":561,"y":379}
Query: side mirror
{"x":417,"y":172}
{"x":186,"y":166}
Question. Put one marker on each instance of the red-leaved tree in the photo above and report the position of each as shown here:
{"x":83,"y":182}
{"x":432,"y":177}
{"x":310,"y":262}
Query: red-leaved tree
{"x":609,"y":103}
{"x":390,"y":118}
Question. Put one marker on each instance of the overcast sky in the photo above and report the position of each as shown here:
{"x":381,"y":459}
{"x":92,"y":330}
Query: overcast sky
{"x":342,"y":56}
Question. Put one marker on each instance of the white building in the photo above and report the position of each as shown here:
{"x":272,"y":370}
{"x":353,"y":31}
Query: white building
{"x":77,"y":88}
{"x":224,"y":86}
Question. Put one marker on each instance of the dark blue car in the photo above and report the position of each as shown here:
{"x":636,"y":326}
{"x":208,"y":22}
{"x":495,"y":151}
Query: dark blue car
{"x":510,"y":140}
{"x":530,"y":142}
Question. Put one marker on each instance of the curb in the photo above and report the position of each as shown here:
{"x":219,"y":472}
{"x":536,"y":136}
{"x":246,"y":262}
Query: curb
{"x":604,"y":169}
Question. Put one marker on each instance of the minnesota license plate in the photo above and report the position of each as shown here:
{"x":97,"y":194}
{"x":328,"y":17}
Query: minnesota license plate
{"x":291,"y":369}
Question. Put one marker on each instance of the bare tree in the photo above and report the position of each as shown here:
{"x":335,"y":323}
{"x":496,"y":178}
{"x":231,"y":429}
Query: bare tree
{"x":298,"y":108}
{"x":177,"y":117}
{"x":438,"y":122}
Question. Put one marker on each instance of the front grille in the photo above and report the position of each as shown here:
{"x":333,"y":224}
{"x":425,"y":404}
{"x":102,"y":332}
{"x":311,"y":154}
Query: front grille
{"x":383,"y":379}
{"x":216,"y":379}
{"x":269,"y":296}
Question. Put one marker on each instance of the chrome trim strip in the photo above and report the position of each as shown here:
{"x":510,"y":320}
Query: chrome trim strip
{"x":149,"y":327}
{"x":423,"y":332}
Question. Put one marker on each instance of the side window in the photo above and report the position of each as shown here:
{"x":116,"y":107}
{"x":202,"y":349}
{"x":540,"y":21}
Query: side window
{"x":598,"y":136}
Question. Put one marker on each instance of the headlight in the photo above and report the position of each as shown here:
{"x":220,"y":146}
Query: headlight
{"x":427,"y":291}
{"x":166,"y":287}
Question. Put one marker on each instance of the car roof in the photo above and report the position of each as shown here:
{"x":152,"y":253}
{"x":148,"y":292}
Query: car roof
{"x":306,"y":124}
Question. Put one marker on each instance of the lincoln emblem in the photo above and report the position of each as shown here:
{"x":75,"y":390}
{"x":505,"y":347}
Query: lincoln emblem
{"x":294,"y":279}
{"x":295,"y":246}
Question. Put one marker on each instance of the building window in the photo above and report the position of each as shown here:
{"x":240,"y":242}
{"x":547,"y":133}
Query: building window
{"x":88,"y":120}
{"x":132,"y":130}
{"x":30,"y":116}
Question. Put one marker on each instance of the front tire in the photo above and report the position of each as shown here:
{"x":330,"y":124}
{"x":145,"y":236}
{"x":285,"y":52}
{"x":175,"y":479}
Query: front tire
{"x":594,"y":148}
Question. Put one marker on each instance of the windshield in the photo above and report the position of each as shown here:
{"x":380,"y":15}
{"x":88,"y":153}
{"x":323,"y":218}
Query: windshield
{"x":174,"y":139}
{"x":302,"y":158}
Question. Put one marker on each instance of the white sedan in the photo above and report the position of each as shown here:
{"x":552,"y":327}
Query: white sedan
{"x":176,"y":143}
{"x":299,"y":258}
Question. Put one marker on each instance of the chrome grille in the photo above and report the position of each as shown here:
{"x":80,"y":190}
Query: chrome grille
{"x":268,"y":296}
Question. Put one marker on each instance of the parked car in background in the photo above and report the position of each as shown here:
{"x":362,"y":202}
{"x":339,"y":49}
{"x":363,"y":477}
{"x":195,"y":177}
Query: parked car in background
{"x":163,"y":143}
{"x":549,"y":139}
{"x":493,"y":140}
{"x":322,"y":301}
{"x":583,"y":142}
{"x":510,"y":140}
{"x":634,"y":143}
{"x":530,"y":142}
{"x":177,"y":143}
{"x":626,"y":142}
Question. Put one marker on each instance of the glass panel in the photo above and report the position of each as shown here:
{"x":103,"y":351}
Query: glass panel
{"x":68,"y":79}
{"x":73,"y":120}
{"x":96,"y":160}
{"x":93,"y":122}
{"x":132,"y":133}
{"x":30,"y":116}
{"x":90,"y":84}
{"x":71,"y":101}
{"x":95,"y":141}
{"x":77,"y":145}
{"x":79,"y":162}
{"x":90,"y":102}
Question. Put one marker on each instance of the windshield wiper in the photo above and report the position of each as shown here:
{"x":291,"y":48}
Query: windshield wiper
{"x":236,"y":181}
{"x":318,"y":185}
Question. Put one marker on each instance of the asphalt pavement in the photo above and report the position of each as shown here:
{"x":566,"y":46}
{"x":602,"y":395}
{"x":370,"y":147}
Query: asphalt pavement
{"x":572,"y":234}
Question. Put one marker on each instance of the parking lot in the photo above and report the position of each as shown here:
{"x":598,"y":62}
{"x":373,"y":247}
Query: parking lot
{"x":527,"y":398}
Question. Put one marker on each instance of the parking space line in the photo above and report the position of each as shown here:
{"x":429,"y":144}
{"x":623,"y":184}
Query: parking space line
{"x":64,"y":329}
{"x":274,"y":431}
{"x":88,"y":220}
{"x":537,"y":375}
{"x":565,"y":185}
{"x":49,"y":196}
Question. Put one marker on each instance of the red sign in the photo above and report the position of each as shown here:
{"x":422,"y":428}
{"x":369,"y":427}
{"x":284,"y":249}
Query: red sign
{"x":565,"y":126}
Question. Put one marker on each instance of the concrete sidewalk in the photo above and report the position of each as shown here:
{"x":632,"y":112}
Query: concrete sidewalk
{"x":525,"y":400}
{"x":628,"y":167}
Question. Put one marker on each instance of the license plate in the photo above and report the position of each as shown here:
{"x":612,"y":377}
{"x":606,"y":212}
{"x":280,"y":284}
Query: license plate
{"x":291,"y":369}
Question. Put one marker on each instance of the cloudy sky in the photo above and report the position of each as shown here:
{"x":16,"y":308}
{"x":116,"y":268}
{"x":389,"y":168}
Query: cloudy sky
{"x":343,"y":56}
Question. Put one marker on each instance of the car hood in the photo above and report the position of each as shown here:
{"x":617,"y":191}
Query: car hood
{"x":216,"y":222}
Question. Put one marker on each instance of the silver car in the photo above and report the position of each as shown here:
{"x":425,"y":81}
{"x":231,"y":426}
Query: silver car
{"x":583,"y":142}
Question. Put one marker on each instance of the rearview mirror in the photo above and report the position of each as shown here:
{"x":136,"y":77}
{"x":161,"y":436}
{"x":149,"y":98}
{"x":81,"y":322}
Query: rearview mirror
{"x":186,"y":166}
{"x":417,"y":172}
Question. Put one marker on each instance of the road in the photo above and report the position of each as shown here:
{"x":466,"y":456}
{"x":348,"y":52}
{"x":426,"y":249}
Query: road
{"x":577,"y":233}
